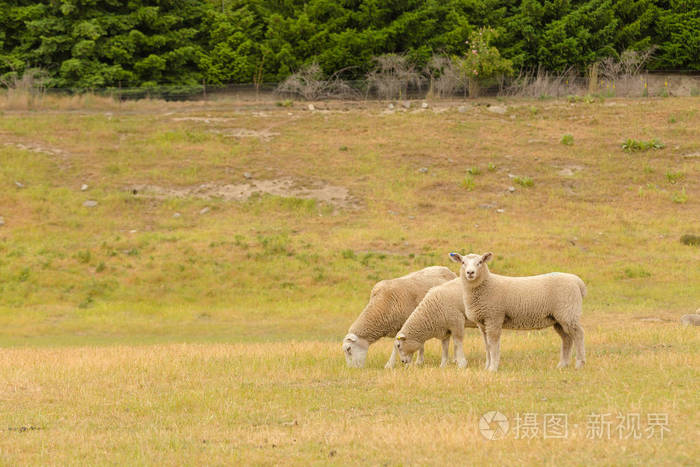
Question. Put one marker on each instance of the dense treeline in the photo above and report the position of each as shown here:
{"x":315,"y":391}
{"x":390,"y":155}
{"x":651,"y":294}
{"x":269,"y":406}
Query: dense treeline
{"x":102,"y":43}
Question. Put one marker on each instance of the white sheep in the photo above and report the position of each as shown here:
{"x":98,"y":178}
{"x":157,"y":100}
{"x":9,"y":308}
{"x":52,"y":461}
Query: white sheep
{"x":495,"y":302}
{"x":390,"y":304}
{"x":439,"y":315}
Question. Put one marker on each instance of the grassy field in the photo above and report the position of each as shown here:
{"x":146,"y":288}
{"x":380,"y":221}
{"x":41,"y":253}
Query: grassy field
{"x":175,"y":320}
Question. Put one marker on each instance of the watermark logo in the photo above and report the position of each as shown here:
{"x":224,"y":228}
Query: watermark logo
{"x":493,"y":425}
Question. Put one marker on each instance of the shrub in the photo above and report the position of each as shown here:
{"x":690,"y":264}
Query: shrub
{"x":482,"y":61}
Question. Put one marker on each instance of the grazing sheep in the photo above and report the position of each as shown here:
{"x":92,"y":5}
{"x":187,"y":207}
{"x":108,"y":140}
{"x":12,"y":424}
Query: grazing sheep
{"x":691,"y":319}
{"x":495,"y":302}
{"x":439,"y":315}
{"x":390,"y":304}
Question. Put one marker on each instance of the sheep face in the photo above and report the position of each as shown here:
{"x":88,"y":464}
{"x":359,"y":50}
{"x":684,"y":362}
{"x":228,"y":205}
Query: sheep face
{"x":406,"y":347}
{"x":472,"y":265}
{"x":355,"y":350}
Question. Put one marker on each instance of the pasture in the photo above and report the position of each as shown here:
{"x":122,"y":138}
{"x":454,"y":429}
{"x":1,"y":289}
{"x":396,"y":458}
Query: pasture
{"x":175,"y":279}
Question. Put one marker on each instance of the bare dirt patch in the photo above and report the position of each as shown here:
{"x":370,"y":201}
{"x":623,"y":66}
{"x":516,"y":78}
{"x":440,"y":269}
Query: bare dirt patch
{"x":337,"y":196}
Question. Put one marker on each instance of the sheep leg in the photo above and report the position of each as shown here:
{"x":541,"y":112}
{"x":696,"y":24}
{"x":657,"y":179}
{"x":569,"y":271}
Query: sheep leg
{"x":493,"y":333}
{"x":459,"y":351}
{"x":566,"y":345}
{"x":486,"y":346}
{"x":445,"y":352}
{"x":392,"y":360}
{"x":419,"y":356}
{"x":577,"y":334}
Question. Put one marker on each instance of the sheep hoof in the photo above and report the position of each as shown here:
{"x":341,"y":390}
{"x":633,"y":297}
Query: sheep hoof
{"x":562,"y":365}
{"x":389,"y":366}
{"x":462,"y":364}
{"x":580,"y":364}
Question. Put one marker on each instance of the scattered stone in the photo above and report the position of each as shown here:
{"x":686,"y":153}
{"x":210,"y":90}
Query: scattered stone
{"x":497,"y":109}
{"x":451,"y":161}
{"x":692,"y":154}
{"x":651,"y":320}
{"x":487,"y":206}
{"x":537,"y":141}
{"x":511,"y":189}
{"x":312,"y":107}
{"x":2,"y":221}
{"x":570,"y":170}
{"x":393,"y":213}
{"x":91,"y":203}
{"x":176,"y":215}
{"x":83,"y":187}
{"x":500,"y":210}
{"x":424,"y":105}
{"x":390,"y":106}
{"x":205,"y":210}
{"x":133,"y":231}
{"x":411,"y":217}
{"x":19,"y":184}
{"x":691,"y":320}
{"x":406,"y":104}
{"x":247,"y":175}
{"x":511,"y":176}
{"x":463,"y":108}
{"x":423,"y":170}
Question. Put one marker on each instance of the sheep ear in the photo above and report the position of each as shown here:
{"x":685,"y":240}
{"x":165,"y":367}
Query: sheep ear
{"x":401,"y":336}
{"x":351,"y":337}
{"x":456,"y":257}
{"x":486,"y":257}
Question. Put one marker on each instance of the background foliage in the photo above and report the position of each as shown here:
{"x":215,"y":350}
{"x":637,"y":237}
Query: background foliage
{"x":90,"y":43}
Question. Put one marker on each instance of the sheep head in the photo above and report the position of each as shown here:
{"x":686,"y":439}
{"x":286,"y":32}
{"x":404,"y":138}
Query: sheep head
{"x":355,"y":350}
{"x":473,"y":267}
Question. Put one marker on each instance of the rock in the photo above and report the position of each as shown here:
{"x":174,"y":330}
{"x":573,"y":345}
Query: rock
{"x":500,"y":210}
{"x":463,"y":108}
{"x":511,"y":176}
{"x":424,"y":105}
{"x":406,"y":104}
{"x":390,"y":106}
{"x":423,"y":170}
{"x":176,"y":215}
{"x":205,"y":210}
{"x":487,"y":206}
{"x":497,"y":109}
{"x":567,"y":172}
{"x":691,"y":320}
{"x":312,"y":107}
{"x":511,"y":189}
{"x":83,"y":187}
{"x":133,"y":231}
{"x":91,"y":203}
{"x":247,"y":175}
{"x":19,"y":184}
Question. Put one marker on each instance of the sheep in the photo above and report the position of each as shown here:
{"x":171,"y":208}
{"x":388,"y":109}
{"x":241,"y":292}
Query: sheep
{"x":691,"y":319}
{"x":495,"y":302}
{"x":390,"y":304}
{"x":439,"y":315}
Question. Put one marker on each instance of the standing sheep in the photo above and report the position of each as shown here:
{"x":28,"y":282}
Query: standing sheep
{"x":439,"y":315}
{"x":495,"y":302}
{"x":390,"y":304}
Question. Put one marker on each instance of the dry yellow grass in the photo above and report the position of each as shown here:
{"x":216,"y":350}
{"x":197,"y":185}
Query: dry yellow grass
{"x":95,"y":301}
